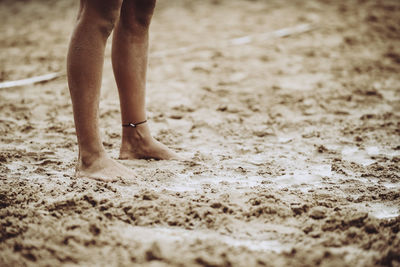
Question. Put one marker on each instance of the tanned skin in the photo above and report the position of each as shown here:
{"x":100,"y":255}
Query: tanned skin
{"x":130,"y":20}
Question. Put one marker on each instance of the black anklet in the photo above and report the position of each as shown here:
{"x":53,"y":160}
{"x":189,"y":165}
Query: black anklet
{"x":133,"y":125}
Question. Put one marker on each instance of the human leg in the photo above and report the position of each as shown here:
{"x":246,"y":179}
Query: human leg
{"x":129,"y":58}
{"x":84,"y":67}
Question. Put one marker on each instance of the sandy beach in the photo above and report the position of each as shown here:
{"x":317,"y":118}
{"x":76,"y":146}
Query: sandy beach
{"x":292,"y":139}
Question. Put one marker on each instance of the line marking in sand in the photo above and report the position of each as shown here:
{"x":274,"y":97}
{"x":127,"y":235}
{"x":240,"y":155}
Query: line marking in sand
{"x":302,"y":28}
{"x":284,"y":32}
{"x":32,"y":80}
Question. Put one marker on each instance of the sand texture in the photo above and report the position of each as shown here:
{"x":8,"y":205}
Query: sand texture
{"x":293,"y":143}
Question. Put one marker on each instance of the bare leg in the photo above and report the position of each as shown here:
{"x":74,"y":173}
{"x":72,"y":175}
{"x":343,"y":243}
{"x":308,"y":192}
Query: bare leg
{"x":84,"y":65}
{"x":129,"y":58}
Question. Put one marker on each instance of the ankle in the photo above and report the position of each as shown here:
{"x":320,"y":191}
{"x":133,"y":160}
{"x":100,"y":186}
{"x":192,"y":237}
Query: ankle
{"x":134,"y":135}
{"x":88,"y":158}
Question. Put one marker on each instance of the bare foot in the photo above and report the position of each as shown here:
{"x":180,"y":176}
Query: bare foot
{"x":137,"y":143}
{"x":104,"y":169}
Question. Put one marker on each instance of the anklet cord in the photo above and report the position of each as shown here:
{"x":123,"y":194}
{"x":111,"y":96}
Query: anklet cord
{"x":133,"y":125}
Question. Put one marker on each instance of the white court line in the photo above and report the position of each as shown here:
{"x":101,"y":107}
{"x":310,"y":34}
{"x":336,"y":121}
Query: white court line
{"x":32,"y":80}
{"x":302,"y":28}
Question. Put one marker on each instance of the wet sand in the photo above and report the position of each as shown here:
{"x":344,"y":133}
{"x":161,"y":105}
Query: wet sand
{"x":293,"y":143}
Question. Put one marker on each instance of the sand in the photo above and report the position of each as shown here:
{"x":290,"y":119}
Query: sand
{"x":293,"y":143}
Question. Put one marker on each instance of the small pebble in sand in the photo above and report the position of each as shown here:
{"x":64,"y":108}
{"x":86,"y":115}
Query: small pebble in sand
{"x":317,"y":213}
